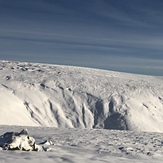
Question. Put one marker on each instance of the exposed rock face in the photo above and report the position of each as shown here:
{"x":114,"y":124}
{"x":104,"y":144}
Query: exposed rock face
{"x":18,"y":141}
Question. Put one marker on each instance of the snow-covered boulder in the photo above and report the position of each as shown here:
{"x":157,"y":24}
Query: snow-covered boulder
{"x":18,"y":141}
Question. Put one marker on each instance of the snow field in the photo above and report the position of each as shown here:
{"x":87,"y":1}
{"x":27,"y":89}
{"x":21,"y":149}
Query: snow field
{"x":35,"y":94}
{"x":89,"y":145}
{"x":69,"y":109}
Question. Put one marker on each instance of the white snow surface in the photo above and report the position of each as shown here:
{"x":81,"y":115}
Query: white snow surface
{"x":71,"y":145}
{"x":77,"y":115}
{"x":34,"y":94}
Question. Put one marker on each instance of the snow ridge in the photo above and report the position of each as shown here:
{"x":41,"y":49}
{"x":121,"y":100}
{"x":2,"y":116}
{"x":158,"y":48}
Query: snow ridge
{"x":34,"y":94}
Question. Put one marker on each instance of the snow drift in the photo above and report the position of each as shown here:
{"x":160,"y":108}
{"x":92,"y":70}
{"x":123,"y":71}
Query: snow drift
{"x":63,"y":96}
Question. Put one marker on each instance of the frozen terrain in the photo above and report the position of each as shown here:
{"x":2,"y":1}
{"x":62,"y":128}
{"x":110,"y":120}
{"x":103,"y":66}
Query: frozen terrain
{"x":88,"y":145}
{"x":61,"y":96}
{"x":79,"y":114}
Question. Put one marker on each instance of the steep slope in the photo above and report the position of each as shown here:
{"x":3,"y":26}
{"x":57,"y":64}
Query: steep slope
{"x":63,"y":96}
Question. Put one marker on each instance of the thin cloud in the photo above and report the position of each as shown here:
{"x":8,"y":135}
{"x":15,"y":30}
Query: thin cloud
{"x":90,"y":33}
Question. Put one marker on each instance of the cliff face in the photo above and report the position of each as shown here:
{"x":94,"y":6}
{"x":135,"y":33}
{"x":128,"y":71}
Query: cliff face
{"x":63,"y":96}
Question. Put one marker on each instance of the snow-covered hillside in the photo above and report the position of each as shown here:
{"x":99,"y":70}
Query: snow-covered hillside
{"x":63,"y":96}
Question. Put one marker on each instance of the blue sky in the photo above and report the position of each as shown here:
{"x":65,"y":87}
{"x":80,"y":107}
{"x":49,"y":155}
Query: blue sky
{"x":120,"y":35}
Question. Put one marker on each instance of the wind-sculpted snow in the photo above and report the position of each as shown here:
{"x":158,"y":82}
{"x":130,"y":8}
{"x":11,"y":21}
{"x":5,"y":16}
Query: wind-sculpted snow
{"x":86,"y":145}
{"x":62,"y":96}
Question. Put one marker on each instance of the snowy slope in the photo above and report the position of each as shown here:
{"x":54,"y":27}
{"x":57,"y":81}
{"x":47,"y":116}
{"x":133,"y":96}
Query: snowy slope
{"x":63,"y":96}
